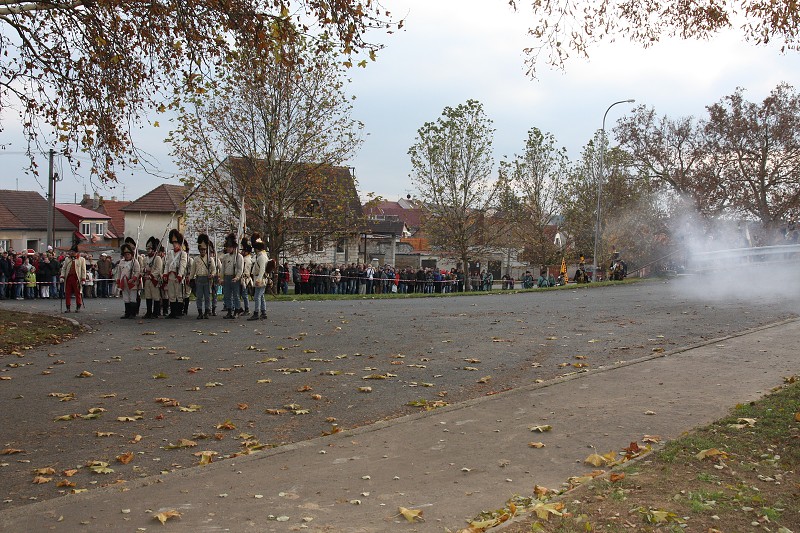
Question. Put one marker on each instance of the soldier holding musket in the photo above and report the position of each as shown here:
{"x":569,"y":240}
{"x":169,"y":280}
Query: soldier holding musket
{"x":152,"y":278}
{"x":128,"y":274}
{"x":175,"y":272}
{"x":232,"y":266}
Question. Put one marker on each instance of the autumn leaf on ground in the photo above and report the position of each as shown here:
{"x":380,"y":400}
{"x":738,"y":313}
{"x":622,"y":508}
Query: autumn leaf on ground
{"x":365,"y":389}
{"x":242,"y":406}
{"x":129,"y":418}
{"x":206,"y":457}
{"x":99,"y":467}
{"x":47,"y":471}
{"x":484,"y":379}
{"x":654,"y":439}
{"x":10,"y":451}
{"x":411,"y":514}
{"x":544,"y":510}
{"x":168,"y":401}
{"x":191,"y":408}
{"x":160,"y":375}
{"x":38,"y":480}
{"x":85,"y":374}
{"x":541,"y":429}
{"x":182,"y":443}
{"x":595,"y":460}
{"x":226,"y":425}
{"x":536,"y":445}
{"x":125,"y":458}
{"x":69,"y":473}
{"x":616,"y":477}
{"x":66,"y":483}
{"x":711,"y":453}
{"x":166,"y":515}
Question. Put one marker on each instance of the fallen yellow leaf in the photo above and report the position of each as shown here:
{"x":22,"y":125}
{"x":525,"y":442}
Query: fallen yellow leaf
{"x":166,"y":515}
{"x":411,"y":514}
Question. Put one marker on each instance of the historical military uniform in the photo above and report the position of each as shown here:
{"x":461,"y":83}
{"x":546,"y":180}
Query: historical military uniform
{"x":232,"y":265}
{"x":175,"y":271}
{"x":73,"y":274}
{"x":187,"y":289}
{"x":261,"y":273}
{"x":152,"y":278}
{"x":127,"y":277}
{"x":202,"y":272}
{"x":246,"y":280}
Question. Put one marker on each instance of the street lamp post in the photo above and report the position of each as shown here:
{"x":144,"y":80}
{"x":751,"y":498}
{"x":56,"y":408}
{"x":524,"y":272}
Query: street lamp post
{"x":600,"y":185}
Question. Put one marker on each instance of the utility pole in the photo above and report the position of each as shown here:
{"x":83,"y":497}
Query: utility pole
{"x":51,"y":202}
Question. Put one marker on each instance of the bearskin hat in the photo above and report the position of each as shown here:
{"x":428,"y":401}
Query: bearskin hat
{"x":257,"y":241}
{"x":203,"y":241}
{"x":153,"y":244}
{"x":175,"y":236}
{"x":246,"y":248}
{"x":230,"y":241}
{"x":129,"y":240}
{"x":126,"y":248}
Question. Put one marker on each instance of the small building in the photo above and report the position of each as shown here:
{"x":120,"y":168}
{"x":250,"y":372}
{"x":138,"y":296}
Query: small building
{"x":155,"y":213}
{"x":23,"y":222}
{"x":115,"y":232}
{"x":92,"y":227}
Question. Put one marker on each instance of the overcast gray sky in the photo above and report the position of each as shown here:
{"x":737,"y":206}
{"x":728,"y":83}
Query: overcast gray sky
{"x":454,"y":50}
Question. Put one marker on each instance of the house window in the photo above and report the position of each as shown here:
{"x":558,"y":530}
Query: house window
{"x":314,"y":244}
{"x":5,"y":245}
{"x":86,"y":228}
{"x":99,"y":229}
{"x":340,"y":245}
{"x":58,"y":243}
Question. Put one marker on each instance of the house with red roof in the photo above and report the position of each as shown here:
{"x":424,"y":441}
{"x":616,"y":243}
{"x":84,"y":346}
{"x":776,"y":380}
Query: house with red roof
{"x":113,"y":208}
{"x":92,"y":227}
{"x":23,"y":222}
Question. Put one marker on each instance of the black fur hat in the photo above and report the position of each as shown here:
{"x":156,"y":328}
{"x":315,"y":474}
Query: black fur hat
{"x":129,"y":240}
{"x":203,"y":241}
{"x":230,"y":241}
{"x":175,"y":236}
{"x":127,"y":247}
{"x":153,"y":244}
{"x":246,"y":248}
{"x":257,"y":241}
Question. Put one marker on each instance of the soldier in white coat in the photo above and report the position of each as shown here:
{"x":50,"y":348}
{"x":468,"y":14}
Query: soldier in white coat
{"x":127,"y":277}
{"x":152,"y":278}
{"x":232,"y":266}
{"x":175,"y":271}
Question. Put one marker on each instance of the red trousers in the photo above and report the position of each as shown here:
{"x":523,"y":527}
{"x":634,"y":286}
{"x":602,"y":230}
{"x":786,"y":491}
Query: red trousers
{"x":72,"y":286}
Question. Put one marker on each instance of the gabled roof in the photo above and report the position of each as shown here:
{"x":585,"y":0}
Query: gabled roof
{"x":75,"y":213}
{"x":333,"y":184}
{"x":27,"y":210}
{"x":112,"y":208}
{"x":163,"y":199}
{"x":411,"y":216}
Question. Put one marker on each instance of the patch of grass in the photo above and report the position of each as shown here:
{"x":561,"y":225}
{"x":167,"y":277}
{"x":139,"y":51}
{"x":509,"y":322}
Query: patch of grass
{"x":752,"y":484}
{"x":23,"y":331}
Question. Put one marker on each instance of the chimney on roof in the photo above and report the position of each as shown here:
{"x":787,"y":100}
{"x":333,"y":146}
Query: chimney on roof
{"x":113,"y":198}
{"x":96,"y":201}
{"x":85,"y":198}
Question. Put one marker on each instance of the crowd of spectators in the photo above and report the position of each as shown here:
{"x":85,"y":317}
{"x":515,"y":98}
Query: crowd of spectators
{"x":29,"y":276}
{"x":37,"y":276}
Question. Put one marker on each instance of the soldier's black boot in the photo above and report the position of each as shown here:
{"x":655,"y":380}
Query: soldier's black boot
{"x":173,"y":311}
{"x":156,"y":308}
{"x":254,"y":317}
{"x":149,"y":305}
{"x":207,"y":314}
{"x":127,"y":310}
{"x":199,"y":315}
{"x":164,"y":307}
{"x":263,"y":315}
{"x":186,"y":306}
